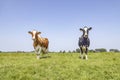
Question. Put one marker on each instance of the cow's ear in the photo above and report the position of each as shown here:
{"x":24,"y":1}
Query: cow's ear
{"x":90,"y":28}
{"x":81,"y":29}
{"x":39,"y":32}
{"x":29,"y":32}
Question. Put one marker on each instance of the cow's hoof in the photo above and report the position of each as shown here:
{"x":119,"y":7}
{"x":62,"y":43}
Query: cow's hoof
{"x":38,"y":57}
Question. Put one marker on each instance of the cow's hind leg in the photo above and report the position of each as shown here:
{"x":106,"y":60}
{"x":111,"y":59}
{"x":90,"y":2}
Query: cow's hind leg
{"x":86,"y":52}
{"x":44,"y":51}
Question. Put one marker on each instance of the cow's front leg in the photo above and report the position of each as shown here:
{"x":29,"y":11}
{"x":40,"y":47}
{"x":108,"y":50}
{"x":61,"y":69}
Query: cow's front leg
{"x":81,"y":51}
{"x":38,"y":56}
{"x":38,"y":50}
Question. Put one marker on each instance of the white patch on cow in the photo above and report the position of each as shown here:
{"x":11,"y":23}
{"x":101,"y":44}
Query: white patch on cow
{"x":39,"y":36}
{"x":86,"y":31}
{"x":34,"y":32}
{"x":44,"y":49}
{"x":38,"y":48}
{"x":83,"y":48}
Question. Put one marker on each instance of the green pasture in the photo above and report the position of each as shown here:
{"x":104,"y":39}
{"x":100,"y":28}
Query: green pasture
{"x":59,"y":66}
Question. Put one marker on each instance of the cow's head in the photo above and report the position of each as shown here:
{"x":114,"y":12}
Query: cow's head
{"x":85,"y":31}
{"x":34,"y":34}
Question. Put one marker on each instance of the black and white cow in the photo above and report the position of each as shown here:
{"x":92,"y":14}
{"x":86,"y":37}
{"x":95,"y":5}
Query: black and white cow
{"x":84,"y":42}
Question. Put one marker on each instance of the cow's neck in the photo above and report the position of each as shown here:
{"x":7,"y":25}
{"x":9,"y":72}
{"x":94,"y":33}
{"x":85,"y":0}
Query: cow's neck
{"x":38,"y":40}
{"x":84,"y":37}
{"x":37,"y":37}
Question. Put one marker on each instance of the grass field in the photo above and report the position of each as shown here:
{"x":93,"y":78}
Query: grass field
{"x":67,"y":66}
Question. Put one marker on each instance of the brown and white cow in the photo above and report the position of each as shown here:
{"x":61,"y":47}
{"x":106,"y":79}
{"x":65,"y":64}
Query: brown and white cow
{"x":40,"y":44}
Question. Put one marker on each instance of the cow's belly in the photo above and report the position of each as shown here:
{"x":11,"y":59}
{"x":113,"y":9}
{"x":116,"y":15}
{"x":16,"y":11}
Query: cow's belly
{"x":39,"y":48}
{"x":44,"y":49}
{"x":84,"y":48}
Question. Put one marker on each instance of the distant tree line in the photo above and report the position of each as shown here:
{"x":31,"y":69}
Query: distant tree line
{"x":101,"y":50}
{"x":92,"y":50}
{"x":114,"y":50}
{"x":104,"y":50}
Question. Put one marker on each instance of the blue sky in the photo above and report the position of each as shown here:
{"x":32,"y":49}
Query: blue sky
{"x":59,"y":21}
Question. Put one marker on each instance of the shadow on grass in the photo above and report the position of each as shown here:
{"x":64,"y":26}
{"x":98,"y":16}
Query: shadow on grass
{"x":82,"y":58}
{"x":43,"y":57}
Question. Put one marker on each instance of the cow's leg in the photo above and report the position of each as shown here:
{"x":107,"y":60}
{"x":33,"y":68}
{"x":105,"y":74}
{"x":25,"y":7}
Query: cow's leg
{"x":37,"y":51}
{"x":86,"y":52}
{"x":81,"y":51}
{"x":37,"y":54}
{"x":44,"y":52}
